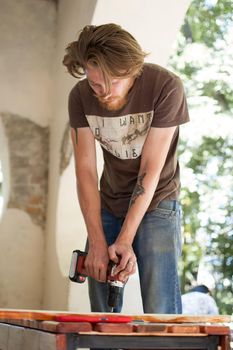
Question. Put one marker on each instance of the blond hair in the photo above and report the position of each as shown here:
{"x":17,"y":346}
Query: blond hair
{"x":109,"y":47}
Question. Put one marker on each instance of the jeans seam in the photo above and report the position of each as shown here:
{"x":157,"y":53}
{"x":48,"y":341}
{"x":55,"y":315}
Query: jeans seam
{"x":164,"y":213}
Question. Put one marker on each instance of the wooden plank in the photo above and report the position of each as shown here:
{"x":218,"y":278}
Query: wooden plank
{"x":65,"y":327}
{"x":147,"y":334}
{"x":156,"y":318}
{"x":180,"y":329}
{"x":31,"y":324}
{"x":113,"y":327}
{"x":62,"y":316}
{"x":168,"y":327}
{"x":24,"y":314}
{"x":144,"y":328}
{"x":52,"y":315}
{"x":216,"y":329}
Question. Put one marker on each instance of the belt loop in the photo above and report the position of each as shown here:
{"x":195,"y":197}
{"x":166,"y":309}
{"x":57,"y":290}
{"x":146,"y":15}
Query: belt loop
{"x":175,"y":205}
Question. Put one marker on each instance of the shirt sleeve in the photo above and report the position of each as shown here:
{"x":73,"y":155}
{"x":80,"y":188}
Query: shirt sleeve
{"x":171,"y":107}
{"x":76,"y":112}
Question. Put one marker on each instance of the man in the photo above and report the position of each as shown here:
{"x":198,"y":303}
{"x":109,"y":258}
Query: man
{"x":133,"y":109}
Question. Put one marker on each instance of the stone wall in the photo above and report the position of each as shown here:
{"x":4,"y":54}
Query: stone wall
{"x":24,"y":153}
{"x":28,"y":147}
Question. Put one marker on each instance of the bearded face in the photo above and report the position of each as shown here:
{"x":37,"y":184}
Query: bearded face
{"x":117,"y":97}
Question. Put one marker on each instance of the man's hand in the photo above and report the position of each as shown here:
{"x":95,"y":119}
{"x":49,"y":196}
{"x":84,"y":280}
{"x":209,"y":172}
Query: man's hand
{"x":96,"y":262}
{"x":123,"y":255}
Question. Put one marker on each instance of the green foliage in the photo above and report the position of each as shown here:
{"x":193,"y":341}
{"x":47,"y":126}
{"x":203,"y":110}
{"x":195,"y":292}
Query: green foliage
{"x":220,"y":91}
{"x":206,"y":23}
{"x":203,"y":58}
{"x":213,"y":196}
{"x":191,"y":252}
{"x":205,"y":45}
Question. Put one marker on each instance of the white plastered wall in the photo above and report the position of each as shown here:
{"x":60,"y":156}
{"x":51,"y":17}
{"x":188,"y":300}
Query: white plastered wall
{"x":27,"y":43}
{"x":27,"y":39}
{"x":156,"y":28}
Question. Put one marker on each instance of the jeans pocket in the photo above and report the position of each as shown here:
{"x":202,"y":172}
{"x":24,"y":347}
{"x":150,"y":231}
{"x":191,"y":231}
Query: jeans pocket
{"x":163,"y":213}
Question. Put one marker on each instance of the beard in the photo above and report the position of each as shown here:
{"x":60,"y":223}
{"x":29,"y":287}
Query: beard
{"x":114,"y":104}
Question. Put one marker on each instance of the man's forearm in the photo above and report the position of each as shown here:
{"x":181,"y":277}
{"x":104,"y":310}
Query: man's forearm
{"x":89,"y":200}
{"x":97,"y":258}
{"x":144,"y":190}
{"x":141,"y":198}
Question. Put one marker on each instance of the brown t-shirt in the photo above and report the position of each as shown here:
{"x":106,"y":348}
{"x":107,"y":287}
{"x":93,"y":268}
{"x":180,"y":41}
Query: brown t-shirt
{"x":156,"y":100}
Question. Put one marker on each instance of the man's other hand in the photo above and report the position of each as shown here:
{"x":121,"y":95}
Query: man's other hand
{"x":123,"y":255}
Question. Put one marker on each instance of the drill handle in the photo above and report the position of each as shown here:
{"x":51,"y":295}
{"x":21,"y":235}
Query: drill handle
{"x":77,"y":271}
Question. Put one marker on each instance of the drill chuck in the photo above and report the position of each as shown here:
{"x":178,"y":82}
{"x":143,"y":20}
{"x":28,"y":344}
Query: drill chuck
{"x":114,"y":294}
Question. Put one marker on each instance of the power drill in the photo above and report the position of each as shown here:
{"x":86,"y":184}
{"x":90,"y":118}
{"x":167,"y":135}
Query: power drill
{"x":78,"y":274}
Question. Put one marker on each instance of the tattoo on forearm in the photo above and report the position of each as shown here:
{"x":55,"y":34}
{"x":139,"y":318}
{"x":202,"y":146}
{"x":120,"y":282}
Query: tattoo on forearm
{"x":139,"y":189}
{"x":76,"y":135}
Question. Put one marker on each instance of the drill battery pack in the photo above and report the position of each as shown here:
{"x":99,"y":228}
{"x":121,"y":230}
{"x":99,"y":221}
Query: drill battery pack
{"x":77,"y":270}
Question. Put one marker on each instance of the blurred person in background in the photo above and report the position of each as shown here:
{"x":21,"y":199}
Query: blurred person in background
{"x":198,"y":301}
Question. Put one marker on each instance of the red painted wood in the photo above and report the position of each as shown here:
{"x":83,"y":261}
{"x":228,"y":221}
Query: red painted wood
{"x":104,"y":318}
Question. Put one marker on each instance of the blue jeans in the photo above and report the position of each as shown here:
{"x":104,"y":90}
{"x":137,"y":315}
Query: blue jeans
{"x":157,"y":246}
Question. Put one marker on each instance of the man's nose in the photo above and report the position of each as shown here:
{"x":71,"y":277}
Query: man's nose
{"x":107,"y":95}
{"x":103,"y":93}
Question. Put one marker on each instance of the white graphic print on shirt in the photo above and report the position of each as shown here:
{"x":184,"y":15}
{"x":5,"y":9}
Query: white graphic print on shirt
{"x":122,"y":136}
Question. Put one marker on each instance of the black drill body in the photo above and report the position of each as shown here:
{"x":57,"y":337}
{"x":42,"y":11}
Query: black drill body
{"x":78,"y":274}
